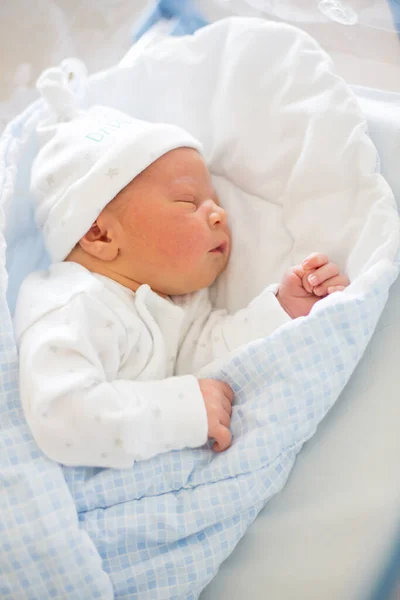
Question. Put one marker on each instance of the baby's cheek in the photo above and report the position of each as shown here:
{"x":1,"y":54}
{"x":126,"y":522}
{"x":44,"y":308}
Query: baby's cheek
{"x":182,"y":249}
{"x":183,"y":243}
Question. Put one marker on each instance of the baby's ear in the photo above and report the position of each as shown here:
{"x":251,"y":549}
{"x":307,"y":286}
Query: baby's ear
{"x":101,"y":241}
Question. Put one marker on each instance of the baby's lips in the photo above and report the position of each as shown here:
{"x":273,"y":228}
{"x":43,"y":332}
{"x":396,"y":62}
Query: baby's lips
{"x":222,"y":247}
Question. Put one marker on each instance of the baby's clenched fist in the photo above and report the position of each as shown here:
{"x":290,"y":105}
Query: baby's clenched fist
{"x":303,"y":285}
{"x":218,"y":397}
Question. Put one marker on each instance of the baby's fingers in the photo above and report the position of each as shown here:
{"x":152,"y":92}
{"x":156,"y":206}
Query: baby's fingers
{"x":306,"y":284}
{"x":227,"y":391}
{"x":298,"y":270}
{"x":315,"y":261}
{"x":224,"y":418}
{"x":323,"y":274}
{"x":227,"y":405}
{"x":302,"y":275}
{"x":223,"y":439}
{"x":334,"y":284}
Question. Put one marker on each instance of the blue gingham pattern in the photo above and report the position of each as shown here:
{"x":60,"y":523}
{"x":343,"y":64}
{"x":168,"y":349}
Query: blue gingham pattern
{"x":164,"y":527}
{"x":161,"y":529}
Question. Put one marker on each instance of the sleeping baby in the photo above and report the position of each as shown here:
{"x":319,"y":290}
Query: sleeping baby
{"x":112,"y":335}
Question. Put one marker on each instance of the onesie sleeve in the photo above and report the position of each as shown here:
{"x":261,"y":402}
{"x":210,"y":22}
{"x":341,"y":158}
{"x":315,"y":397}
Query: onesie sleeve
{"x":213,"y":333}
{"x":79,"y":411}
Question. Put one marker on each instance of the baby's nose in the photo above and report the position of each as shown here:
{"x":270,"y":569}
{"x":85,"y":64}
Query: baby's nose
{"x":217,"y":215}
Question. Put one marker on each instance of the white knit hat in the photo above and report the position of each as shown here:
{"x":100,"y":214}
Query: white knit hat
{"x":88,"y":157}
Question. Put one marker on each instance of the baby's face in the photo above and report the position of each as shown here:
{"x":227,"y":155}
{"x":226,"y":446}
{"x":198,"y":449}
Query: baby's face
{"x":175,"y":234}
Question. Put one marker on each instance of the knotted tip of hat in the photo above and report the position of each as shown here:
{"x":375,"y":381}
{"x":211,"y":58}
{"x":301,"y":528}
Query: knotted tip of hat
{"x":63,"y":88}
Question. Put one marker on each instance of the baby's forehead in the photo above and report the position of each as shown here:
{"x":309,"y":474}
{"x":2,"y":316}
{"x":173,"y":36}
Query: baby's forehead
{"x":185,"y":180}
{"x":180,"y":160}
{"x":175,"y":171}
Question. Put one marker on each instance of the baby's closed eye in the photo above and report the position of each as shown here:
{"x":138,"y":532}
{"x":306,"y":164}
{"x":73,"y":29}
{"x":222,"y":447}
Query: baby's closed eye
{"x":187,"y":199}
{"x":187,"y":202}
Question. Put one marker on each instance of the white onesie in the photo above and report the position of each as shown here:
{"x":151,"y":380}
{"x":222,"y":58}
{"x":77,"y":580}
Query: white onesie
{"x":107,"y":375}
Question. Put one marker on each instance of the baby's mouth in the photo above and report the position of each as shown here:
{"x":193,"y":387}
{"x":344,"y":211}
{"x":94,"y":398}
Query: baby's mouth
{"x":221,"y":248}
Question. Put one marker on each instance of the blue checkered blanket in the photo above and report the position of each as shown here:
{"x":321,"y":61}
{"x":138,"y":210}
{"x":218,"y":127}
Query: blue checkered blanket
{"x":161,"y":529}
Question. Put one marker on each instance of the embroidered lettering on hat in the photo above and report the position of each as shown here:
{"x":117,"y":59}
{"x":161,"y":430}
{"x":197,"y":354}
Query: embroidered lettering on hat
{"x":106,"y":128}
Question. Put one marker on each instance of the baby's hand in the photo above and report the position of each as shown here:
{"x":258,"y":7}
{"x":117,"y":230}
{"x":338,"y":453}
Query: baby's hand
{"x":303,"y":285}
{"x":218,"y":398}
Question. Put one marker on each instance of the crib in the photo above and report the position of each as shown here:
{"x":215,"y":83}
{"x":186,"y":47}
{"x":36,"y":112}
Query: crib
{"x":329,"y":533}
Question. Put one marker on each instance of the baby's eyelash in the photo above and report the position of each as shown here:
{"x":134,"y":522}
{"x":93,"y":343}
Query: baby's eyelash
{"x":187,"y":200}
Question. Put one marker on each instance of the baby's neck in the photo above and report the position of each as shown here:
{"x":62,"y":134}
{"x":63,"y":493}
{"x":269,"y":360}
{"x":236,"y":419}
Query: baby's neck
{"x":107,"y":269}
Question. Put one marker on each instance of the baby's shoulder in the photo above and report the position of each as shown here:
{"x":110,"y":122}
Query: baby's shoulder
{"x":57,"y":285}
{"x":44,"y":292}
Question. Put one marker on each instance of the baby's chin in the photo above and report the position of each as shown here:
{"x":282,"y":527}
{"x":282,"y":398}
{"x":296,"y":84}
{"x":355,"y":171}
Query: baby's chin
{"x":194,"y":284}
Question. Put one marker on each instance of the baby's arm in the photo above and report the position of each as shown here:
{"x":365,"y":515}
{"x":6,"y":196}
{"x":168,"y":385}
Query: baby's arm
{"x":80,"y":413}
{"x":214,"y":333}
